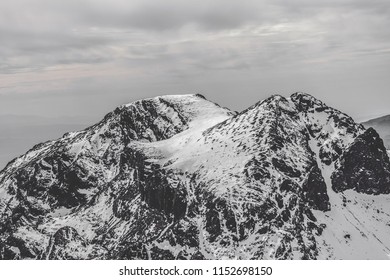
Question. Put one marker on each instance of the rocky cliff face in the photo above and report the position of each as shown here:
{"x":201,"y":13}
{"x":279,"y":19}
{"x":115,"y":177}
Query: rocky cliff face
{"x":178,"y":177}
{"x":364,"y":166}
{"x":382,"y":126}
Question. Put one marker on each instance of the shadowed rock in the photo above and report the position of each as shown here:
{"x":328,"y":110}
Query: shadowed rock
{"x":314,"y":188}
{"x":364,"y":166}
{"x":66,"y":243}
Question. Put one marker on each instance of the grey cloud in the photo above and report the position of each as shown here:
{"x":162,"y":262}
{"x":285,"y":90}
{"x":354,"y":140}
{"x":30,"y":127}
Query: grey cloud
{"x":173,"y":46}
{"x":22,"y":49}
{"x":43,"y":33}
{"x":144,"y":14}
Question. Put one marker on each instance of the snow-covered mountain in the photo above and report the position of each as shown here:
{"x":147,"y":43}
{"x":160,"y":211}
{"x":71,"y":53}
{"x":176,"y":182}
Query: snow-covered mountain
{"x":179,"y":177}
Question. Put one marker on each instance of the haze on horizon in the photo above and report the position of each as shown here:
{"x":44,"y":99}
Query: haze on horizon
{"x":65,"y":64}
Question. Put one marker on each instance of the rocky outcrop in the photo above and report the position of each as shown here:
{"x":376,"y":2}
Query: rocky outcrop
{"x":65,"y":244}
{"x":364,"y":166}
{"x":382,"y":126}
{"x":332,"y":129}
{"x":315,"y":191}
{"x":163,"y":191}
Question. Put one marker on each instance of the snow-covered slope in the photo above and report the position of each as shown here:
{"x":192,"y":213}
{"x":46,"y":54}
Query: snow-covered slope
{"x":180,"y":177}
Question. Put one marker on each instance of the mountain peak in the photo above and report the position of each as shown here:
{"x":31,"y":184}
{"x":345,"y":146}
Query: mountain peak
{"x":304,"y":101}
{"x":161,"y":117}
{"x":275,"y":98}
{"x":200,"y":96}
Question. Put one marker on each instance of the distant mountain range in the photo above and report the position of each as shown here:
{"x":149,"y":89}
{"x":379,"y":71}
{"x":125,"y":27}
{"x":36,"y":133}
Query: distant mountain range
{"x":179,"y":177}
{"x":382,"y":126}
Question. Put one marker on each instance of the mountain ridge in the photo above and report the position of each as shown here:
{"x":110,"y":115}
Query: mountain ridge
{"x":179,"y":177}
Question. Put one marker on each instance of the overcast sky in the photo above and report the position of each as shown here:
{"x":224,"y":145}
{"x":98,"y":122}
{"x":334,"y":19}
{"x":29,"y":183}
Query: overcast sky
{"x":83,"y":58}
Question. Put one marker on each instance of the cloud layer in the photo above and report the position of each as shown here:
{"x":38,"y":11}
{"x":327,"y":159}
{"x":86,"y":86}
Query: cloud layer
{"x":236,"y":52}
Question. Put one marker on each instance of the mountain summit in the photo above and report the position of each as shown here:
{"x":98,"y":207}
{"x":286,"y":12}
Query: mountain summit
{"x":179,"y":177}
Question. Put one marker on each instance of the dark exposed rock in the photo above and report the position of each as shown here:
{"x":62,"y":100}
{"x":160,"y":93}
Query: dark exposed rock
{"x":283,"y":167}
{"x":19,"y":247}
{"x":122,"y":204}
{"x":213,"y":222}
{"x":279,"y":200}
{"x":381,"y":125}
{"x":200,"y":96}
{"x":139,"y":119}
{"x":161,"y":192}
{"x":9,"y":252}
{"x":65,"y":235}
{"x":132,"y":251}
{"x":198,"y":256}
{"x":64,"y":192}
{"x":322,"y":128}
{"x":186,"y":235}
{"x":305,"y":102}
{"x":65,"y":244}
{"x":286,"y":215}
{"x":288,"y":186}
{"x":364,"y":166}
{"x":257,"y":169}
{"x":292,"y":203}
{"x":161,"y":254}
{"x":314,"y":189}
